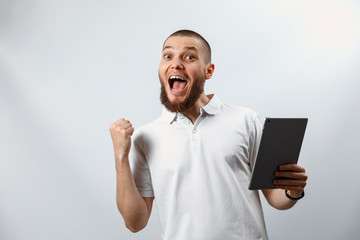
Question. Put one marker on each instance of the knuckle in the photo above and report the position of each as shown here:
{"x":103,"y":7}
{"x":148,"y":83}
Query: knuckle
{"x":123,"y":131}
{"x":113,"y":128}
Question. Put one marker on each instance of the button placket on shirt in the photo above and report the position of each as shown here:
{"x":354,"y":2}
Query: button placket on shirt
{"x":195,"y":135}
{"x":195,"y":130}
{"x":193,"y":127}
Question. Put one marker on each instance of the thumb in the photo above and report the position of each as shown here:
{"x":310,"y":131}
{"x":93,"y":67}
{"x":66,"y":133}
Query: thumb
{"x":131,"y":131}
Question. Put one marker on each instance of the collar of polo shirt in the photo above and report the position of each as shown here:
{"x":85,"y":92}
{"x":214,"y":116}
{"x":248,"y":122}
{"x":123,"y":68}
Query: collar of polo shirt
{"x":212,"y":108}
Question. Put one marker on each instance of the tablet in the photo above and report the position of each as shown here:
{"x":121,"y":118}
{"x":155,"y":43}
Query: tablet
{"x":280,"y":144}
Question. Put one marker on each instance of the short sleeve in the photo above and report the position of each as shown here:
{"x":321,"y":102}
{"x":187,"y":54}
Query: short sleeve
{"x":254,"y":140}
{"x":140,"y":168}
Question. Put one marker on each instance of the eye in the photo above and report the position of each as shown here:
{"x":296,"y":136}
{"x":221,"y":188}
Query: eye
{"x":167,"y":56}
{"x":190,"y":57}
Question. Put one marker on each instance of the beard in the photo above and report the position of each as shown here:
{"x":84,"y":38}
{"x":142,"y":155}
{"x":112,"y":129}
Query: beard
{"x":188,"y":102}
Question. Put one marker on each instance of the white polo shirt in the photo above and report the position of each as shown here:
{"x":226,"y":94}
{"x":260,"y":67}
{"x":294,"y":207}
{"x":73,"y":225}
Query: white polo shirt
{"x":199,"y":173}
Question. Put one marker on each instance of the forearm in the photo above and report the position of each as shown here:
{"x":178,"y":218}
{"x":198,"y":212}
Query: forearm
{"x":277,"y":199}
{"x":129,"y":201}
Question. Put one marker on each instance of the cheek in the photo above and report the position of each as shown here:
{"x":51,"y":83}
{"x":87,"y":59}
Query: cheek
{"x":162,"y":71}
{"x":164,"y":65}
{"x":196,"y":71}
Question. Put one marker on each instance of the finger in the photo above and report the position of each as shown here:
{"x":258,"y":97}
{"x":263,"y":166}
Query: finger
{"x":126,"y":125}
{"x":291,"y":167}
{"x":127,"y":132}
{"x":123,"y":122}
{"x":119,"y":122}
{"x":289,"y":182}
{"x":293,"y":175}
{"x":119,"y":126}
{"x":131,"y":130}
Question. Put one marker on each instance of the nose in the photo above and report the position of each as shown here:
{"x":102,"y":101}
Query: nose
{"x":176,"y":64}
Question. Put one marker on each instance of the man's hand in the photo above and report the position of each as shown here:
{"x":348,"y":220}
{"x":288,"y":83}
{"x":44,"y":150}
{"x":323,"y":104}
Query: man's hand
{"x":292,"y":178}
{"x":121,"y":132}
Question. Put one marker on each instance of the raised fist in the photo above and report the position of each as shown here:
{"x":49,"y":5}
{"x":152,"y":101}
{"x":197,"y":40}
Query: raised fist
{"x":121,"y":132}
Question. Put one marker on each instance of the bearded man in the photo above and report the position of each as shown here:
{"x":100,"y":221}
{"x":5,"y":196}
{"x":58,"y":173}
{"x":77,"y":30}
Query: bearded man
{"x":196,"y":159}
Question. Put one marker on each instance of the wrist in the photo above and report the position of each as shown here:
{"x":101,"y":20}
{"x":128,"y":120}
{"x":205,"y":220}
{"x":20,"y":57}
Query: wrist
{"x":292,"y":196}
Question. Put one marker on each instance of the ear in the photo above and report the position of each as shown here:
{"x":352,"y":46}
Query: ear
{"x":209,"y":71}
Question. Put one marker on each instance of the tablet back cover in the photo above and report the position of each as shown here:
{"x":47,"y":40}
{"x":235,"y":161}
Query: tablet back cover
{"x":280,"y":144}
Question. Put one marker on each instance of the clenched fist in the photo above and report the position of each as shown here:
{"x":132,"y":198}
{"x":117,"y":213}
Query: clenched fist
{"x":121,"y":132}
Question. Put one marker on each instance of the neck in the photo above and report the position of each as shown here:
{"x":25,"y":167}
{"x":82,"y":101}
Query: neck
{"x":193,"y":112}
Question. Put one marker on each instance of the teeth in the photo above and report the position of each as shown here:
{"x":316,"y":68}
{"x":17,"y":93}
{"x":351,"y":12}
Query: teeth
{"x":176,"y":77}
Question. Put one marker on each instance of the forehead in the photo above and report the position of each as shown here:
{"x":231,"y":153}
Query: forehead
{"x":183,"y":42}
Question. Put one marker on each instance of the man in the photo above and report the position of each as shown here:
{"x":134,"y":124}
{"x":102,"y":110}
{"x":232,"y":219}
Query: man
{"x":196,"y":158}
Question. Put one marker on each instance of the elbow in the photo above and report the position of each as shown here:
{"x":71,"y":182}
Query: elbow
{"x":134,"y":219}
{"x":134,"y":224}
{"x":281,"y":208}
{"x":135,"y":229}
{"x":132,"y":229}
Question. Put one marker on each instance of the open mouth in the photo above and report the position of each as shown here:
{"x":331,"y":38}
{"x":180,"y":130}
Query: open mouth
{"x":177,"y":83}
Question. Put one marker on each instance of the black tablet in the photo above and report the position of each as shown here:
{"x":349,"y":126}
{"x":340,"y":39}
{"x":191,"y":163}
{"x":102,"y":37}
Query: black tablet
{"x":280,"y":144}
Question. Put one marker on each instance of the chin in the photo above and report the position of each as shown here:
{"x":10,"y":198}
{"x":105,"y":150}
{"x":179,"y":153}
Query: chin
{"x":174,"y":98}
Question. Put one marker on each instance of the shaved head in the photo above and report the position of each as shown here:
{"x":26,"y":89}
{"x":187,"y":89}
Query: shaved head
{"x":206,"y":50}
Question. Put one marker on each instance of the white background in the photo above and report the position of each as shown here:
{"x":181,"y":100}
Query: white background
{"x":68,"y":69}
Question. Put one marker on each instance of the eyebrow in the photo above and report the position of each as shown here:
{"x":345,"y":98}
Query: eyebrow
{"x":187,"y":48}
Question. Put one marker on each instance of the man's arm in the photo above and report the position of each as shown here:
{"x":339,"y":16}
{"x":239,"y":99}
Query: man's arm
{"x":293,"y":179}
{"x":133,"y":207}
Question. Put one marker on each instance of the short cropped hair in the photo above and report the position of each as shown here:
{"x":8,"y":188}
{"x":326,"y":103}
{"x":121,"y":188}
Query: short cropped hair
{"x":190,"y":33}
